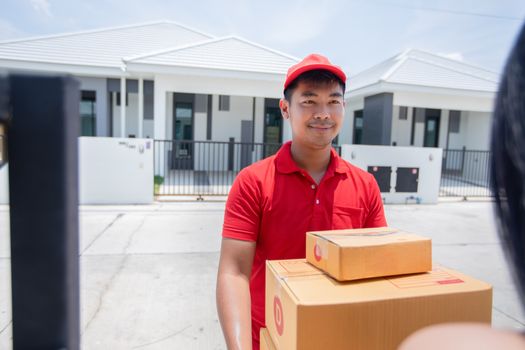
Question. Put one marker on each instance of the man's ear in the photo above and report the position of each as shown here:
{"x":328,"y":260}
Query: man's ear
{"x":284,"y":105}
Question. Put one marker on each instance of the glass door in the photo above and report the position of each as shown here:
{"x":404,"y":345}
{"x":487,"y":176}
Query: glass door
{"x":183,"y":135}
{"x":358,"y":127}
{"x":273,"y":124}
{"x":431,"y":137}
{"x":87,"y":113}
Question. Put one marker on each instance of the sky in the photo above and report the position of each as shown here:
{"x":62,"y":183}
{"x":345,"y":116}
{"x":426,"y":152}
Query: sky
{"x":355,"y":34}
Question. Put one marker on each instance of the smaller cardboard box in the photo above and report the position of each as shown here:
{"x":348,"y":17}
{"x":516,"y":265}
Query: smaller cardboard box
{"x":308,"y":310}
{"x":265,"y":340}
{"x":365,"y":253}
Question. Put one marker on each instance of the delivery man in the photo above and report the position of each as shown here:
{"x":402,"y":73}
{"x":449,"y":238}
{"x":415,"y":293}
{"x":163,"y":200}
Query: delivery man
{"x":306,"y":186}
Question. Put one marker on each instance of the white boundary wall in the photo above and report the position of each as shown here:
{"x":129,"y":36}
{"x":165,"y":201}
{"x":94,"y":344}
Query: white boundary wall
{"x":111,"y":171}
{"x":115,"y":170}
{"x":428,"y":160}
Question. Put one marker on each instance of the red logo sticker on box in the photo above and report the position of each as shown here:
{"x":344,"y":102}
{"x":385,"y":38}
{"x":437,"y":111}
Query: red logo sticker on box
{"x":278,"y":315}
{"x":318,"y":254}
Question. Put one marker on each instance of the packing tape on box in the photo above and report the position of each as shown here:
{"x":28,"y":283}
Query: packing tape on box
{"x":322,"y":246}
{"x":370,"y":234}
{"x":278,"y":286}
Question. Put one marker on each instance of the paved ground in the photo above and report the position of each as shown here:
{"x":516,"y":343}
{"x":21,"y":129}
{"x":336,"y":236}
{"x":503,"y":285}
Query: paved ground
{"x":148,"y":272}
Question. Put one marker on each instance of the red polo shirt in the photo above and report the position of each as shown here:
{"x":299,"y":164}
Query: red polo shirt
{"x":274,"y":202}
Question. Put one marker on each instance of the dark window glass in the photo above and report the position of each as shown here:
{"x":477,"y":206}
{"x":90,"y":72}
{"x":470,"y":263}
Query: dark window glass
{"x":403,"y":113}
{"x":224,"y":103}
{"x":358,"y":127}
{"x":87,"y":113}
{"x":454,"y":121}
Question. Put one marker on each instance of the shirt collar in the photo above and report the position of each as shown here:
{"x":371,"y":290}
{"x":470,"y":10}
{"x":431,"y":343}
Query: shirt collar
{"x":285,"y":164}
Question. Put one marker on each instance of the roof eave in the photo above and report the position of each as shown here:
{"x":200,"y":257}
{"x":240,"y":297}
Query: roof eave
{"x":134,"y":67}
{"x":61,"y":68}
{"x":381,"y":87}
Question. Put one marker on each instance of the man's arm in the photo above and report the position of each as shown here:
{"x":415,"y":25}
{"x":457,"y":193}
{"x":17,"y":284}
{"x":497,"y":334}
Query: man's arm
{"x":233,"y":292}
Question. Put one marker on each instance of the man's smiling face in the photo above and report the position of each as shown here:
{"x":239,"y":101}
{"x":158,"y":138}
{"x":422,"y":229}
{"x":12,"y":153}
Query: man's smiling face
{"x":316,"y":113}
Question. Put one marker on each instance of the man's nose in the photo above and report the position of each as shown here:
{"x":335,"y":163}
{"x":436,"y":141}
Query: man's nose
{"x":322,"y":113}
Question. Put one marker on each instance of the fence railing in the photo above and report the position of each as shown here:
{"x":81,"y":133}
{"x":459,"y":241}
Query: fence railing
{"x":208,"y":168}
{"x":465,"y":173}
{"x":203,"y":167}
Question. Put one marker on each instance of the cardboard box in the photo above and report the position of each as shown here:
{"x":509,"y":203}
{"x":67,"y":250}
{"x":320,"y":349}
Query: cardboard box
{"x":306,"y":309}
{"x":365,"y":253}
{"x":265,"y":340}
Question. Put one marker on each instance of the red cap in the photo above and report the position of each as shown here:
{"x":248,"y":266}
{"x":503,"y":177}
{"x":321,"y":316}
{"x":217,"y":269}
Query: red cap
{"x":312,"y":62}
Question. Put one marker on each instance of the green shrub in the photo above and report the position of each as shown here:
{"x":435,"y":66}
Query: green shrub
{"x":157,"y":181}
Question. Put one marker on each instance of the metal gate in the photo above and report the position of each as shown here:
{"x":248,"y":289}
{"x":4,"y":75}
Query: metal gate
{"x":465,"y":173}
{"x":214,"y":165}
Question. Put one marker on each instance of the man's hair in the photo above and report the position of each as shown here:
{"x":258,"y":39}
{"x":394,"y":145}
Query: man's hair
{"x":316,"y":76}
{"x":508,"y":161}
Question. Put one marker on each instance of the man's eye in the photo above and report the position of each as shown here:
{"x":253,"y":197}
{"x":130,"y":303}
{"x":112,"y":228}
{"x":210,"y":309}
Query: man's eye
{"x":336,"y":102}
{"x":308,"y":102}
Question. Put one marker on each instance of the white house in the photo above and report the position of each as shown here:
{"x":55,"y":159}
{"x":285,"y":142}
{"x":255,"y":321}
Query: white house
{"x":182,"y":84}
{"x":421,"y":99}
{"x":179,"y":83}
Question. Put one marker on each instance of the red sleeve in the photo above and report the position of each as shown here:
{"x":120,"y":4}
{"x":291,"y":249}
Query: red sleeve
{"x":242,"y":213}
{"x":376,"y":213}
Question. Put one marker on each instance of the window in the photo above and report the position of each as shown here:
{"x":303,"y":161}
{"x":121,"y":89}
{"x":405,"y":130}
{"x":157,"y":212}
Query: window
{"x":224,"y":103}
{"x":403,"y":113}
{"x":358,"y":127}
{"x":87,"y":113}
{"x":453,"y":125}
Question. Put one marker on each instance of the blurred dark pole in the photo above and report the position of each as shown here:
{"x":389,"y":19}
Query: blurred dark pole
{"x":43,"y":177}
{"x":4,"y":118}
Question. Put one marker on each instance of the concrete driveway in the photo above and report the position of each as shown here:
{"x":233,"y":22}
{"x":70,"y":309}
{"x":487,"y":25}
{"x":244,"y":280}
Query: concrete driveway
{"x":148,"y":272}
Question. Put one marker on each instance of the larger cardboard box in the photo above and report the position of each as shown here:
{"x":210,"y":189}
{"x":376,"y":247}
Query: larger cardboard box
{"x":308,"y":310}
{"x":265,"y":340}
{"x":364,"y":253}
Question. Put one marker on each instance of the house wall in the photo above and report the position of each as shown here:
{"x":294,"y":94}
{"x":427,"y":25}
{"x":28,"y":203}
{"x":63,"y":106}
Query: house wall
{"x":478,"y":130}
{"x":132,"y":115}
{"x":226,"y":124}
{"x":474,"y":124}
{"x":401,"y":129}
{"x":346,"y":134}
{"x":443,"y":128}
{"x":200,"y":117}
{"x":377,"y":119}
{"x":259,"y":120}
{"x":99,"y":85}
{"x":147,"y":130}
{"x":243,"y":91}
{"x":474,"y":131}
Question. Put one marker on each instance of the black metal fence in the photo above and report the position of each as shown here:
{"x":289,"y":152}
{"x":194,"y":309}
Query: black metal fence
{"x":208,"y":168}
{"x":203,"y":167}
{"x":465,"y":173}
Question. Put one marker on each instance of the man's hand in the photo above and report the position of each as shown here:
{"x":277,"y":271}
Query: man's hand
{"x":233,"y":292}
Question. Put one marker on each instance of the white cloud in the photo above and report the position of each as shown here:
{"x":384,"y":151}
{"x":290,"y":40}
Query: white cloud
{"x":42,"y":7}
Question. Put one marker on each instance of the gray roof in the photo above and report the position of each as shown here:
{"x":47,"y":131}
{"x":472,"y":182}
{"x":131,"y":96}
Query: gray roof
{"x":420,"y":68}
{"x":103,"y":47}
{"x":163,"y":43}
{"x":228,"y":53}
